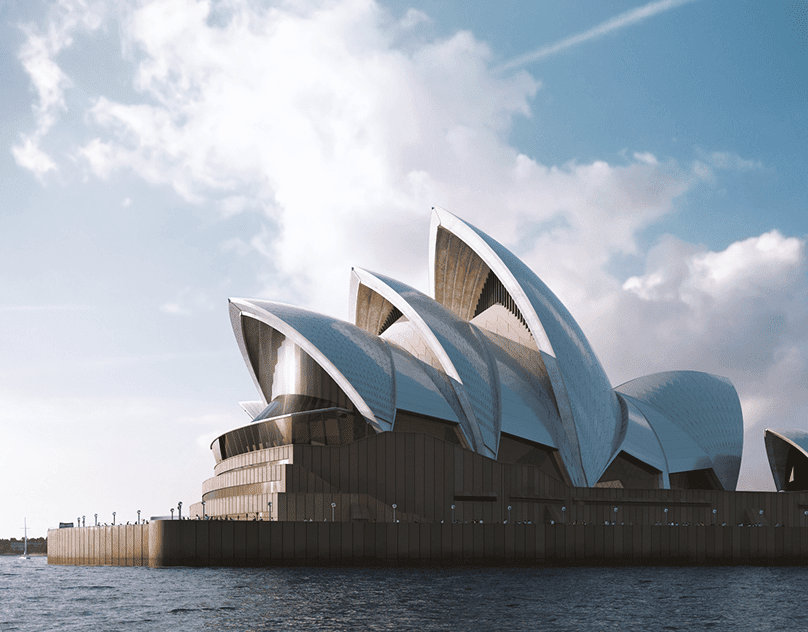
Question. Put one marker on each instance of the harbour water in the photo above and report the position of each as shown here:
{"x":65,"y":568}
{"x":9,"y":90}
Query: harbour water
{"x":35,"y":596}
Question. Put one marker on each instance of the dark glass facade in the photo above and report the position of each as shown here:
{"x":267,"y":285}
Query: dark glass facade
{"x":696,"y":479}
{"x":329,"y":426}
{"x":628,"y":472}
{"x":407,"y":421}
{"x":516,"y":450}
{"x":796,"y":471}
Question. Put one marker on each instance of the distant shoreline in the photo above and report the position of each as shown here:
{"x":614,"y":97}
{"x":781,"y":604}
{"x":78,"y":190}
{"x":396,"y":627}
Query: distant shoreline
{"x":36,"y":546}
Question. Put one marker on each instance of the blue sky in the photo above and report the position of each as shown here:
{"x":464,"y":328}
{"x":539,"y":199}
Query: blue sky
{"x":159,"y":157}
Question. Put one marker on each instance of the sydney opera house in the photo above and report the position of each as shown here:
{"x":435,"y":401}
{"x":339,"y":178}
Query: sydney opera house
{"x":480,"y":401}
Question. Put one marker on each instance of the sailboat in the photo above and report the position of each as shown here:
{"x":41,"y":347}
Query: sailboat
{"x":25,"y":555}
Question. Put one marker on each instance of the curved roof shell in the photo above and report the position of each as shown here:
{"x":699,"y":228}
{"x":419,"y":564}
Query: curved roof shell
{"x":360,"y":364}
{"x":641,"y":441}
{"x":778,"y":445}
{"x":422,"y":389}
{"x":705,"y":407}
{"x":460,"y":258}
{"x":462,"y":354}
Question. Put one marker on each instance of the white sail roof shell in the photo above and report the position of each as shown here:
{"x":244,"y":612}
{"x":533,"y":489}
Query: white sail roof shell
{"x":704,"y":407}
{"x":778,"y":444}
{"x":360,"y":364}
{"x":642,"y":442}
{"x":586,"y":402}
{"x":459,"y":348}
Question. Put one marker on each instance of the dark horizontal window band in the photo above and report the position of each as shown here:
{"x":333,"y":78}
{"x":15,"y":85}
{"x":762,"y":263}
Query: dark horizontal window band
{"x":330,"y":427}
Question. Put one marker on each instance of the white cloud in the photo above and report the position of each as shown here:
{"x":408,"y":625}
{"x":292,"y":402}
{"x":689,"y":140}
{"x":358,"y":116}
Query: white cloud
{"x":318,"y":116}
{"x":761,"y":261}
{"x":704,"y":168}
{"x":704,"y":172}
{"x":38,"y":57}
{"x":728,"y":160}
{"x":647,"y":157}
{"x":29,"y":156}
{"x":742,"y":271}
{"x":413,"y":18}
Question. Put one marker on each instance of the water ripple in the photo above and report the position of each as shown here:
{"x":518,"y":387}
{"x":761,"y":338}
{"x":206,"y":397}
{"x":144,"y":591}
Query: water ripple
{"x":39,"y":597}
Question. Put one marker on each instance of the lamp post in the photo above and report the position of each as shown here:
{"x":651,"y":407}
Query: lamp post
{"x":453,"y":508}
{"x":715,"y":511}
{"x":615,"y":515}
{"x":666,"y":516}
{"x":394,"y":511}
{"x":333,"y":505}
{"x":83,"y":521}
{"x":563,"y":515}
{"x":203,"y":510}
{"x":760,"y":520}
{"x":509,"y":514}
{"x":113,"y":517}
{"x":172,"y":513}
{"x":806,"y":514}
{"x":78,"y":521}
{"x":96,"y":518}
{"x":269,"y":510}
{"x":179,"y":510}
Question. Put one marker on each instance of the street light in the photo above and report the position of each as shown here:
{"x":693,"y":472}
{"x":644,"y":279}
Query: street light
{"x":179,"y":510}
{"x":715,"y":511}
{"x":806,"y":514}
{"x":666,"y":516}
{"x":269,"y":510}
{"x":332,"y":511}
{"x":172,"y":513}
{"x":394,"y":511}
{"x":453,"y":508}
{"x":113,"y":517}
{"x":760,"y":522}
{"x":563,"y":515}
{"x":509,"y":514}
{"x":96,"y":518}
{"x":615,"y":515}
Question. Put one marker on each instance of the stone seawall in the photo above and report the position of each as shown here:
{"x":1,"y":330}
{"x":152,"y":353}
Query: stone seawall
{"x":249,"y":543}
{"x":118,"y":545}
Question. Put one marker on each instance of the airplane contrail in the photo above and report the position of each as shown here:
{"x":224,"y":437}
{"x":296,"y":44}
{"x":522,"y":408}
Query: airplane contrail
{"x":624,"y":19}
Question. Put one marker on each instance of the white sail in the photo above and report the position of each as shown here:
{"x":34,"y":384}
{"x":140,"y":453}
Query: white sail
{"x":25,"y":555}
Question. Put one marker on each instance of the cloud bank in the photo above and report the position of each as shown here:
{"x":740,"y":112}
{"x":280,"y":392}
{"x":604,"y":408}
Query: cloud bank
{"x":342,"y":125}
